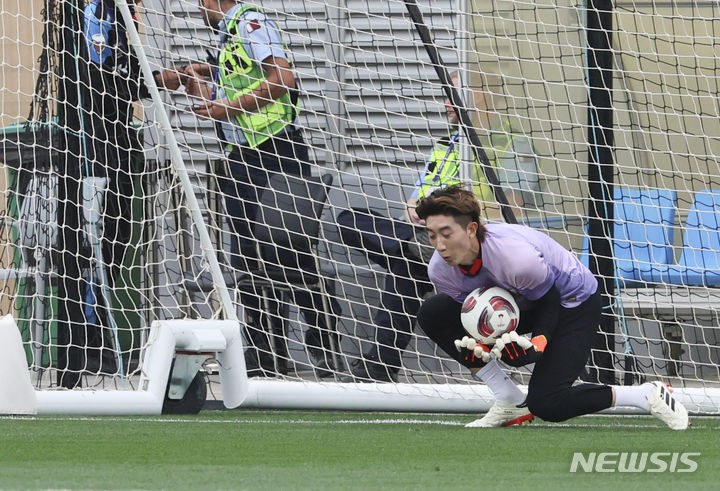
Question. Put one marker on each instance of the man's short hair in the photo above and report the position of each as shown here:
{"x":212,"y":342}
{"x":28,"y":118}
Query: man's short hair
{"x":453,"y":201}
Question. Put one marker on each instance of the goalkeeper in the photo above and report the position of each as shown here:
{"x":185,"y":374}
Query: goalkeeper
{"x":560,"y":307}
{"x":401,"y":246}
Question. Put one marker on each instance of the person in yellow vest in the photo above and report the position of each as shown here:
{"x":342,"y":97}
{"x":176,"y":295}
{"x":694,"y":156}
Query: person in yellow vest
{"x":511,"y":154}
{"x":250,"y":91}
{"x":402,"y":246}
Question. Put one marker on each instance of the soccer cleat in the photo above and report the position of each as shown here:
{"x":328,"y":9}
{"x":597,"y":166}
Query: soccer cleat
{"x":665,"y":408}
{"x":502,"y":415}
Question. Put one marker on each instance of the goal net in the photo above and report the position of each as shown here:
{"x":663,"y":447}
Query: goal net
{"x":123,"y":206}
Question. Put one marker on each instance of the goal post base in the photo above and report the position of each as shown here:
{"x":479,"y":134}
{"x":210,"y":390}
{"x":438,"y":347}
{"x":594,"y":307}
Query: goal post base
{"x":447,"y":398}
{"x":17,"y":395}
{"x":222,"y":338}
{"x":368,"y":396}
{"x":195,"y":338}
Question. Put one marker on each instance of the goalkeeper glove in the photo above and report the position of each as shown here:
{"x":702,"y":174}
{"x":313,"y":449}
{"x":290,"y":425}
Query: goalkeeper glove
{"x":516,"y":350}
{"x":476,"y":354}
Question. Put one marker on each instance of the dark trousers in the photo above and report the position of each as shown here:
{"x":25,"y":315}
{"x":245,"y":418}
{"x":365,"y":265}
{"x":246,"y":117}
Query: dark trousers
{"x":551,"y":395}
{"x":250,"y":170}
{"x":113,"y":155}
{"x":406,"y":282}
{"x":117,"y":231}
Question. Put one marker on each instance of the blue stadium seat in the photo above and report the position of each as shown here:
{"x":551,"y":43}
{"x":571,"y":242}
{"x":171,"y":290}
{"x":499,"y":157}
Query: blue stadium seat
{"x":699,"y":263}
{"x":643,"y":234}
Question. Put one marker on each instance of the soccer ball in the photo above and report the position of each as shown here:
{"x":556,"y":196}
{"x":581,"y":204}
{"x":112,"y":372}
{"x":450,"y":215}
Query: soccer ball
{"x":488,"y":313}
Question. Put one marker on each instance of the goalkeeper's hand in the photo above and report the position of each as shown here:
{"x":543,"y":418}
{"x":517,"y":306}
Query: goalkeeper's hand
{"x":516,"y":350}
{"x":476,"y":354}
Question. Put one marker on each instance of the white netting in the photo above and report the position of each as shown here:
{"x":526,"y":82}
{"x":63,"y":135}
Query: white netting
{"x":372,"y":108}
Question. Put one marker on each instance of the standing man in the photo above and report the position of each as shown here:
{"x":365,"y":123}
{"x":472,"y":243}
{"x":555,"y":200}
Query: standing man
{"x":110,"y":154}
{"x":112,"y":143}
{"x":251,"y":93}
{"x":560,"y":308}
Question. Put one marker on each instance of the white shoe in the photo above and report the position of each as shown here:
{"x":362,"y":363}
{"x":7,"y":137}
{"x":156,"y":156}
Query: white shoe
{"x":502,"y":415}
{"x":665,"y":408}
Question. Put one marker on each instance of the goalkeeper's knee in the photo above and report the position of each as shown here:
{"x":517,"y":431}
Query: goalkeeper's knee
{"x":546,"y":407}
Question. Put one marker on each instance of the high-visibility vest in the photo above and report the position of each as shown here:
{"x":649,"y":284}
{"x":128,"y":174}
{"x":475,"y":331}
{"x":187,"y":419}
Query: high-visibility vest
{"x":240,"y":75}
{"x":443,"y":166}
{"x":444,"y":161}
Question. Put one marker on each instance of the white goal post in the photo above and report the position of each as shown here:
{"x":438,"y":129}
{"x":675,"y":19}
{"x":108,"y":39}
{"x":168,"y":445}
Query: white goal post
{"x":120,"y":267}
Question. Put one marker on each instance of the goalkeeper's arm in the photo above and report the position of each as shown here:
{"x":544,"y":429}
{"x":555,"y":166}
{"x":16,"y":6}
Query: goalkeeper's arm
{"x":544,"y":313}
{"x":516,"y":350}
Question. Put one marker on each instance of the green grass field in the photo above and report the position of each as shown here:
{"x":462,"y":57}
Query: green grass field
{"x":331,"y":450}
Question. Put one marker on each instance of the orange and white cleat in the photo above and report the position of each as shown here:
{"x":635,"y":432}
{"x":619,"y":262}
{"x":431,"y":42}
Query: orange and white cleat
{"x":501,"y":415}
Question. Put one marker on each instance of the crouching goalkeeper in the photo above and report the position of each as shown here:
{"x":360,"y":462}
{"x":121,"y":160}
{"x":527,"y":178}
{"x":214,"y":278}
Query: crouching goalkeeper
{"x":560,"y":308}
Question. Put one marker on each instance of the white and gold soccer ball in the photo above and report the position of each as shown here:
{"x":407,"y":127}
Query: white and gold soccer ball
{"x":488,"y":313}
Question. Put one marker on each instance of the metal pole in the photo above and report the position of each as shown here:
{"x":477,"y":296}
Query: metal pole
{"x":601,"y":170}
{"x":178,"y":164}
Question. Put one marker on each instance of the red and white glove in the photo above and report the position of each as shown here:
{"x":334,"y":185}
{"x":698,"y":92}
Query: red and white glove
{"x":516,"y":350}
{"x":473,"y":352}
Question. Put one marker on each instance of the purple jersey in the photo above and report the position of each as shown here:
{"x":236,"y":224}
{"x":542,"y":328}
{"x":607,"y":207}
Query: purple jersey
{"x":522,"y":260}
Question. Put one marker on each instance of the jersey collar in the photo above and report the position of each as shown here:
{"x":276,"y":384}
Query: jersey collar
{"x":473,"y":269}
{"x":227,"y":17}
